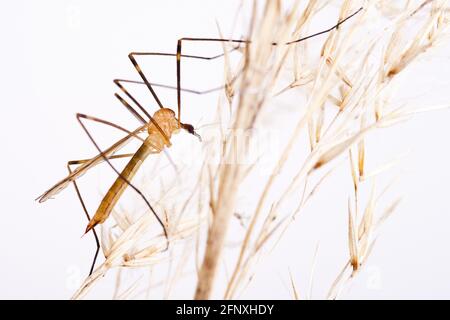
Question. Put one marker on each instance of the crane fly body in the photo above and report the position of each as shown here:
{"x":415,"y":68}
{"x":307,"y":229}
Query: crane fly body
{"x":160,"y":130}
{"x":160,"y":127}
{"x":154,"y":143}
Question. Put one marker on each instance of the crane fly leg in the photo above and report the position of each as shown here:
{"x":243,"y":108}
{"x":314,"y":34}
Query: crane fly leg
{"x":116,"y":156}
{"x":239,"y":42}
{"x":97,"y":242}
{"x":164,"y":54}
{"x":80,"y":198}
{"x":165,"y":86}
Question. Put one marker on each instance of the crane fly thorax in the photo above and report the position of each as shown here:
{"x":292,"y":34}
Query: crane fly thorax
{"x":167,"y":122}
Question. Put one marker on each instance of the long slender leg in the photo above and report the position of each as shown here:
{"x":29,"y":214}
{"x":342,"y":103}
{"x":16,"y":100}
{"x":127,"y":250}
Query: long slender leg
{"x":144,"y":78}
{"x":97,"y":242}
{"x":115,"y":156}
{"x":79,"y":171}
{"x":240,"y":41}
{"x":130,"y":108}
{"x":119,"y":82}
{"x":179,"y":55}
{"x":121,"y":87}
{"x":134,"y":112}
{"x":95,"y":119}
{"x":132,"y":58}
{"x":185,"y":55}
{"x":165,"y":86}
{"x":77,"y":190}
{"x":81,"y":116}
{"x":127,"y":105}
{"x":150,"y":85}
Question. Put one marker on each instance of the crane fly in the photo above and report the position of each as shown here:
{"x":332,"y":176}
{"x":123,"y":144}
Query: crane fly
{"x":160,"y":127}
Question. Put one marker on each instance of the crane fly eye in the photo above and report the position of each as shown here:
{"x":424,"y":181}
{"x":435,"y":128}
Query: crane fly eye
{"x":189,"y":128}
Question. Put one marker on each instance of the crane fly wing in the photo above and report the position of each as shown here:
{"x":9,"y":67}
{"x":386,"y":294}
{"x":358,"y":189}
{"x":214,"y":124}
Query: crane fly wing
{"x":83,"y":168}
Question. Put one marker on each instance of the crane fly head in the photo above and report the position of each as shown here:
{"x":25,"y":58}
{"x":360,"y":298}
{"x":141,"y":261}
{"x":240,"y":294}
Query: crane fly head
{"x":190,"y":128}
{"x":167,"y":122}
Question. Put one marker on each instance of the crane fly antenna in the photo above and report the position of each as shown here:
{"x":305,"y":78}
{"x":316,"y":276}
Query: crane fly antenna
{"x":139,"y":192}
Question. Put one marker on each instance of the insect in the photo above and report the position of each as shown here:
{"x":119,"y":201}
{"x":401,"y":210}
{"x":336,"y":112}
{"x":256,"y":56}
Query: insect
{"x":160,"y":127}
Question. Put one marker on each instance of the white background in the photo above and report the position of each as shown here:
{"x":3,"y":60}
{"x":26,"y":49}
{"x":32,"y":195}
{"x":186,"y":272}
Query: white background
{"x":59,"y":58}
